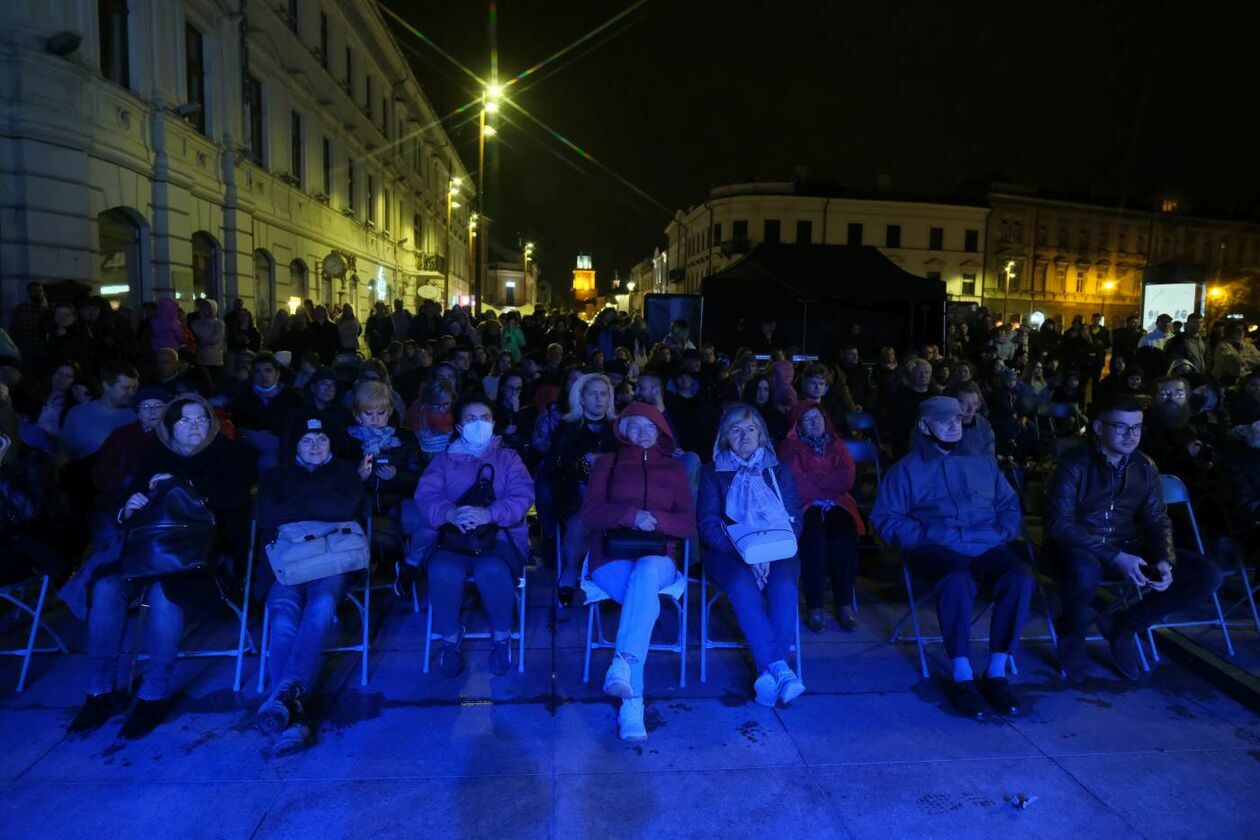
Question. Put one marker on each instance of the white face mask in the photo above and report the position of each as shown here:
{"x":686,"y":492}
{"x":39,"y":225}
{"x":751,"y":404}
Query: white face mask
{"x":477,"y":432}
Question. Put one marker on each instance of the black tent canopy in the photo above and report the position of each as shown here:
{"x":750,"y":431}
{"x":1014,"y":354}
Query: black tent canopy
{"x":822,"y":296}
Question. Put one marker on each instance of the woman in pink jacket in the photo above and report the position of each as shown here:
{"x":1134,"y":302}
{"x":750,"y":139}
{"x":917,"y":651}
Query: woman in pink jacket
{"x":475,"y":453}
{"x":169,"y":330}
{"x":824,"y":473}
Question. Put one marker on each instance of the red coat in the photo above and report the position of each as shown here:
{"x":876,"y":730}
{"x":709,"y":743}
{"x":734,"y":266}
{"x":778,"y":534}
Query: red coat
{"x":827,"y":476}
{"x":645,"y":479}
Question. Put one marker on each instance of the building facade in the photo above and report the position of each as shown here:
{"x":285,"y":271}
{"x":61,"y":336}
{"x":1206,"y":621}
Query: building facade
{"x":194,"y":148}
{"x":510,"y":286}
{"x":1071,"y":258}
{"x":935,"y":240}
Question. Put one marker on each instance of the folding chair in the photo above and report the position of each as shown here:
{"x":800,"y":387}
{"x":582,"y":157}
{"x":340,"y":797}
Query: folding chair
{"x":1175,"y":493}
{"x":1051,"y":411}
{"x":707,"y":643}
{"x":15,"y":594}
{"x":244,"y":640}
{"x":362,"y":604}
{"x":675,"y":591}
{"x":518,"y":634}
{"x":862,"y":421}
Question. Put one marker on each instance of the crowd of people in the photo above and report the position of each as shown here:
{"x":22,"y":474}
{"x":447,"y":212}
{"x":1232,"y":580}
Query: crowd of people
{"x":134,"y":457}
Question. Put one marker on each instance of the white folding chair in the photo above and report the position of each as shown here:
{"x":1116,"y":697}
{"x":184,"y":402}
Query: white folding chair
{"x":518,"y":634}
{"x":708,"y":643}
{"x":363,"y":604}
{"x":676,"y":592}
{"x":1175,"y":493}
{"x":15,"y":594}
{"x":244,"y":640}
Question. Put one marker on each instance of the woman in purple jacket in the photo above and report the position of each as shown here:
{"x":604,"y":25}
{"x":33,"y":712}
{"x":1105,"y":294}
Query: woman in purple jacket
{"x":448,"y":477}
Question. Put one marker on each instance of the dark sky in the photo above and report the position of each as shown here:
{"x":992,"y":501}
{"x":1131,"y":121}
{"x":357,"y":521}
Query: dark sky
{"x":1117,"y":98}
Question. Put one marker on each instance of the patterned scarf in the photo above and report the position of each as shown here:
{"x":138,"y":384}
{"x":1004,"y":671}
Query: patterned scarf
{"x":375,"y":441}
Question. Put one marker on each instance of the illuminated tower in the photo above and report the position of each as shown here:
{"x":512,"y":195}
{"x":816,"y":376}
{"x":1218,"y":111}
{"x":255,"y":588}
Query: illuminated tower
{"x":584,"y":282}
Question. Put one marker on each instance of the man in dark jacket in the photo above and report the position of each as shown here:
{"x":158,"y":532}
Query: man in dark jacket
{"x":955,"y":516}
{"x":262,"y":412}
{"x":1104,"y":505}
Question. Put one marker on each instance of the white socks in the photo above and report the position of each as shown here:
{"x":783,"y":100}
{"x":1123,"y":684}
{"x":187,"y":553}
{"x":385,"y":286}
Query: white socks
{"x":962,"y":669}
{"x":997,"y":665}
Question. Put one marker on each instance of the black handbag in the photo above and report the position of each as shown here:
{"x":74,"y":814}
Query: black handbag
{"x":631,"y":543}
{"x":172,"y":535}
{"x":480,"y":540}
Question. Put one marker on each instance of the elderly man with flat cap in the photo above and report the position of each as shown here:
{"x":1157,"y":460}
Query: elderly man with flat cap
{"x":955,"y":516}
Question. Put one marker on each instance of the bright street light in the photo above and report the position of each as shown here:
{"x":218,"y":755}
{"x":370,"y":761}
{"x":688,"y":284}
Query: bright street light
{"x":1109,"y":286}
{"x":488,"y":131}
{"x":494,"y":91}
{"x":492,"y":107}
{"x":1216,"y":292}
{"x":455,"y":183}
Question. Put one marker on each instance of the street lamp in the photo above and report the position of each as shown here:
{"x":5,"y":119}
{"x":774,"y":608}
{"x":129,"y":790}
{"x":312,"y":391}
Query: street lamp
{"x":489,"y":105}
{"x":452,"y":189}
{"x":1006,"y":297}
{"x":1109,"y":287}
{"x":529,"y":252}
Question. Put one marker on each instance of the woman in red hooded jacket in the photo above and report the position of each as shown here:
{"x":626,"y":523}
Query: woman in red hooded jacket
{"x":640,"y":486}
{"x":824,"y":473}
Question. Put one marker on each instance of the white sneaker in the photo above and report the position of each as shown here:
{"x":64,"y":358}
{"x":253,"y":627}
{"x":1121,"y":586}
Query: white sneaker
{"x":630,"y":719}
{"x":765,"y":689}
{"x":617,"y":682}
{"x":788,"y":686}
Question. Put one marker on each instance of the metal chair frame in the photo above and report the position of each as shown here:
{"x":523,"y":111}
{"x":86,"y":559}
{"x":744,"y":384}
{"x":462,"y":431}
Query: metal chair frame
{"x":518,"y":634}
{"x":14,"y":594}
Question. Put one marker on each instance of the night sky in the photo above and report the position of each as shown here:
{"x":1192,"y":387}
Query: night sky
{"x":1117,"y":99}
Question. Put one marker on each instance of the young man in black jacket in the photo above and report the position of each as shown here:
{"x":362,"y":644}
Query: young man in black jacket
{"x":1105,"y":511}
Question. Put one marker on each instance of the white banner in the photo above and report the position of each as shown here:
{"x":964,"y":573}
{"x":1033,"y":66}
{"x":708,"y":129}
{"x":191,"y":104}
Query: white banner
{"x":1175,"y":299}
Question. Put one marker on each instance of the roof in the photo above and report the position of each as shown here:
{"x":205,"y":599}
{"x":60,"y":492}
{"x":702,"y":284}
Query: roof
{"x":855,"y":273}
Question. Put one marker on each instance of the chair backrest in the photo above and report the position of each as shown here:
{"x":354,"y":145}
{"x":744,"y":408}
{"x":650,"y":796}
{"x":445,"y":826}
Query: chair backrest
{"x":1175,"y":493}
{"x":865,"y":452}
{"x":1057,"y":410}
{"x":858,"y":421}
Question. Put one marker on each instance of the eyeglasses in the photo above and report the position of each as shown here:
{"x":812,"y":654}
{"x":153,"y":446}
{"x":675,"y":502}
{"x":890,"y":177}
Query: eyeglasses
{"x":1167,"y":394}
{"x":193,"y":421}
{"x":1124,"y":429}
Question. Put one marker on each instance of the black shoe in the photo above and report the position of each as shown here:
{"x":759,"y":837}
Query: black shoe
{"x":966,"y":699}
{"x":817,"y":621}
{"x":404,"y":579}
{"x":295,"y":738}
{"x":450,"y":660}
{"x":1124,"y":649}
{"x":96,"y":709}
{"x":998,"y":691}
{"x":846,"y":618}
{"x":1072,"y":659}
{"x":144,"y":718}
{"x":501,"y":657}
{"x":281,"y":708}
{"x":565,"y":595}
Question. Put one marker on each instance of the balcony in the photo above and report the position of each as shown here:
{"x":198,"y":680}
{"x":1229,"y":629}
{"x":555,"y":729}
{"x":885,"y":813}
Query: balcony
{"x":430,"y":263}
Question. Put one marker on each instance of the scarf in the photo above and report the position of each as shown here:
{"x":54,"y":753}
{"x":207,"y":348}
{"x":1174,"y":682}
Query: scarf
{"x":751,"y":500}
{"x":818,"y":444}
{"x":375,"y":441}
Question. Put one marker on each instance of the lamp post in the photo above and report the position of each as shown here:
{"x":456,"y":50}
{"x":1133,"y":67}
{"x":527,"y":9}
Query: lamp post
{"x":489,"y":105}
{"x":1109,"y":288}
{"x":1006,"y":296}
{"x":452,"y":187}
{"x":472,"y":235}
{"x":529,"y":252}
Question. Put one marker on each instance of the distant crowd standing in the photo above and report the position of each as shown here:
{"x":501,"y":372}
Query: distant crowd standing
{"x":134,"y":457}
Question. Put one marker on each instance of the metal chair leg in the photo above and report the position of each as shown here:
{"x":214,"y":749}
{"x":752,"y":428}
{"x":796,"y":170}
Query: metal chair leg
{"x":367,"y":621}
{"x":30,"y":641}
{"x":704,"y":628}
{"x":520,"y":665}
{"x":590,"y":628}
{"x":428,"y":635}
{"x":1220,"y":618}
{"x":263,"y":651}
{"x":914,"y":615}
{"x":800,"y":669}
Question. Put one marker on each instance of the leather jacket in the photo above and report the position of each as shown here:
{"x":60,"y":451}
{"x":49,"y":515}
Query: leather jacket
{"x":1104,"y":510}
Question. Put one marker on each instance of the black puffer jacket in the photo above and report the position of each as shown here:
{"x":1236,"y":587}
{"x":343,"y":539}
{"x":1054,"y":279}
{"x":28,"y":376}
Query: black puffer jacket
{"x":1093,"y":507}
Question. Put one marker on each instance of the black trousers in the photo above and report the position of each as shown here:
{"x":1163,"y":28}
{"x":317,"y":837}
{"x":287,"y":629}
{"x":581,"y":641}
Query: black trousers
{"x":957,"y":577}
{"x":1195,"y":578}
{"x":828,"y":545}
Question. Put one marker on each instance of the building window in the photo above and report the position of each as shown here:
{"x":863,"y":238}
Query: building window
{"x":1103,"y":236}
{"x":195,"y":70}
{"x":371,"y":199}
{"x":415,"y":232}
{"x":115,"y":52}
{"x":969,"y":284}
{"x":295,"y":148}
{"x":367,"y":95}
{"x":804,"y":232}
{"x":971,"y":240}
{"x":349,"y":184}
{"x":254,"y":145}
{"x":855,"y":233}
{"x":739,"y":230}
{"x":1168,"y":205}
{"x":1063,"y":237}
{"x":934,"y":275}
{"x":936,"y":239}
{"x":323,"y":40}
{"x":389,"y":206}
{"x":1043,"y":236}
{"x":892,"y":236}
{"x":326,"y":168}
{"x":349,"y":71}
{"x":1084,"y":238}
{"x":770,"y":231}
{"x":717,"y":233}
{"x":293,"y":15}
{"x":1080,"y":282}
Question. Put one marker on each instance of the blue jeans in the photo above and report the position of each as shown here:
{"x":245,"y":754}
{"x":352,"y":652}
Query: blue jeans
{"x":300,"y":618}
{"x":636,"y":585}
{"x":769,"y":625}
{"x":107,"y":621}
{"x":448,"y":571}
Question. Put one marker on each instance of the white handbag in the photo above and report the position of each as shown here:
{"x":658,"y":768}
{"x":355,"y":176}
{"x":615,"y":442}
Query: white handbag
{"x":759,"y":544}
{"x":310,"y":550}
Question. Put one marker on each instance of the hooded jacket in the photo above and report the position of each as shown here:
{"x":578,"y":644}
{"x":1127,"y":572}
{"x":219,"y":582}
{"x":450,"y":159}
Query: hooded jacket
{"x":634,"y":479}
{"x":781,"y":374}
{"x":941,"y":499}
{"x":450,"y":475}
{"x":826,"y":477}
{"x":211,"y":336}
{"x":168,"y":329}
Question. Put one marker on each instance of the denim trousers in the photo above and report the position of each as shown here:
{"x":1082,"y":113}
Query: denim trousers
{"x":768,"y":619}
{"x":107,"y":621}
{"x":300,"y":618}
{"x":449,"y":570}
{"x":636,"y":585}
